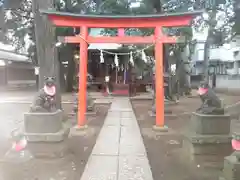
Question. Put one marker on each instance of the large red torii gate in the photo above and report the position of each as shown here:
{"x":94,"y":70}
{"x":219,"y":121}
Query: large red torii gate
{"x":157,"y":21}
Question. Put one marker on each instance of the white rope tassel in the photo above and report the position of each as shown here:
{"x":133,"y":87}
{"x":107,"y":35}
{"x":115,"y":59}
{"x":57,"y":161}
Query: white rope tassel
{"x":101,"y":57}
{"x":122,"y":67}
{"x":126,"y":67}
{"x":131,"y":58}
{"x":144,"y":57}
{"x":116,"y":61}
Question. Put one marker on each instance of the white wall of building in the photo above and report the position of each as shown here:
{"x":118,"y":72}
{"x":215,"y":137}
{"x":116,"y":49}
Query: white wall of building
{"x":226,"y":54}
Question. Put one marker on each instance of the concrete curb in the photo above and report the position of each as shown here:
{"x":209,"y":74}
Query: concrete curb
{"x":17,"y":87}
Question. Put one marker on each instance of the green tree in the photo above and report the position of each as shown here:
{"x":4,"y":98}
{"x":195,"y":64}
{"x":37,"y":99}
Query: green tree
{"x":217,"y":20}
{"x":236,"y":19}
{"x":18,"y":20}
{"x":20,"y":24}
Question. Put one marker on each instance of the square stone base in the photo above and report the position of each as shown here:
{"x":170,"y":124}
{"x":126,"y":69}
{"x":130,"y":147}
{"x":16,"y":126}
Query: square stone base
{"x":231,"y":170}
{"x":91,"y":113}
{"x":45,"y":150}
{"x":88,"y":113}
{"x":89,"y":108}
{"x":49,"y":122}
{"x":210,"y":124}
{"x":208,"y":150}
{"x":167,"y":116}
{"x":47,"y":137}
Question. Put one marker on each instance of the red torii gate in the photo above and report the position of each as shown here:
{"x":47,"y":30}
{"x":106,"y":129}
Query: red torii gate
{"x":157,"y":21}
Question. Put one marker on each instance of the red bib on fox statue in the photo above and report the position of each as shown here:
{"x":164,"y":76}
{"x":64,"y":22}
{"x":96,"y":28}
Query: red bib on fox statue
{"x":202,"y":91}
{"x":51,"y":91}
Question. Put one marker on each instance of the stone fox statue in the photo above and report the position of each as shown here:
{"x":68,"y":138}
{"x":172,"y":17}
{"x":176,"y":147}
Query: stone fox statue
{"x":211,"y":104}
{"x":45,"y":100}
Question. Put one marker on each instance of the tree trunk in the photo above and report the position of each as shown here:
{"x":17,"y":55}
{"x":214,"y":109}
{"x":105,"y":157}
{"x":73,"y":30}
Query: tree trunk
{"x":206,"y":58}
{"x":45,"y":43}
{"x":187,"y":75}
{"x":180,"y":74}
{"x":71,"y":68}
{"x":209,"y":40}
{"x":236,"y":25}
{"x":62,"y":77}
{"x":99,"y":4}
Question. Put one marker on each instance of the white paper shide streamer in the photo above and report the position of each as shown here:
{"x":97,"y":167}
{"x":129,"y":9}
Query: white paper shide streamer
{"x":116,"y":60}
{"x":122,"y":67}
{"x":131,"y":59}
{"x":144,"y":57}
{"x":101,"y":57}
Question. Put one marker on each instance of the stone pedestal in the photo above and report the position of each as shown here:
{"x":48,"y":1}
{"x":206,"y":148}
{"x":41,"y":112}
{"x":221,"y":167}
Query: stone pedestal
{"x":231,"y":170}
{"x":43,"y":122}
{"x":53,"y":150}
{"x":90,"y":105}
{"x":168,"y":114}
{"x":208,"y":140}
{"x":210,"y":124}
{"x":44,"y":127}
{"x":47,"y":137}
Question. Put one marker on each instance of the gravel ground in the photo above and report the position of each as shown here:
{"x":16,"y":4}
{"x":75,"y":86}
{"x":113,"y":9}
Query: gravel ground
{"x":70,"y":167}
{"x":167,"y":156}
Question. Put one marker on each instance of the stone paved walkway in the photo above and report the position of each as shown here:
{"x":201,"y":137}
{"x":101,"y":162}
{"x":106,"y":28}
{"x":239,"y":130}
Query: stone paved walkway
{"x":119,"y":153}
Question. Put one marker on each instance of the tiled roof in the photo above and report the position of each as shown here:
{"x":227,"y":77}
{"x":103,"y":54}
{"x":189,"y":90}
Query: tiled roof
{"x":111,"y":16}
{"x":11,"y":56}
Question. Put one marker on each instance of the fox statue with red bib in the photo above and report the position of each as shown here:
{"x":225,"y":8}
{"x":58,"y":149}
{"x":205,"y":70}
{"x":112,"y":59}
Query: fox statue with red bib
{"x":211,"y":104}
{"x":45,"y":100}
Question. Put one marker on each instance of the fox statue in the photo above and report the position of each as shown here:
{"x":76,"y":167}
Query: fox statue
{"x":211,"y":104}
{"x":45,"y":100}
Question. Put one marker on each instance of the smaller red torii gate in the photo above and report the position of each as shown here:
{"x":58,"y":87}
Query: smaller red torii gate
{"x":157,"y":21}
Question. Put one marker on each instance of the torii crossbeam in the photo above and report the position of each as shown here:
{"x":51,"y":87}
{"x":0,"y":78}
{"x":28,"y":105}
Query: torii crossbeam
{"x":156,"y":21}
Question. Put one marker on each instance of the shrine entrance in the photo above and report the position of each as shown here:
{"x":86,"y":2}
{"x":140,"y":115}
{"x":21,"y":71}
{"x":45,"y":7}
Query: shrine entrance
{"x":156,"y":21}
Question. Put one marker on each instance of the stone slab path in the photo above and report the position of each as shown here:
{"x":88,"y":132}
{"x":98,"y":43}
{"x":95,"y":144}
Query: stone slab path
{"x":119,"y":152}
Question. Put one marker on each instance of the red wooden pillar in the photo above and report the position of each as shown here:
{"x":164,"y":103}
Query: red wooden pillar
{"x":159,"y":85}
{"x":82,"y":89}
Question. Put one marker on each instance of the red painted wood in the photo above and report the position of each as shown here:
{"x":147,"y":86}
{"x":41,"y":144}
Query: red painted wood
{"x":130,"y":22}
{"x":159,"y":79}
{"x":82,"y":101}
{"x":167,"y":21}
{"x":121,"y":32}
{"x":122,"y":40}
{"x":74,"y":39}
